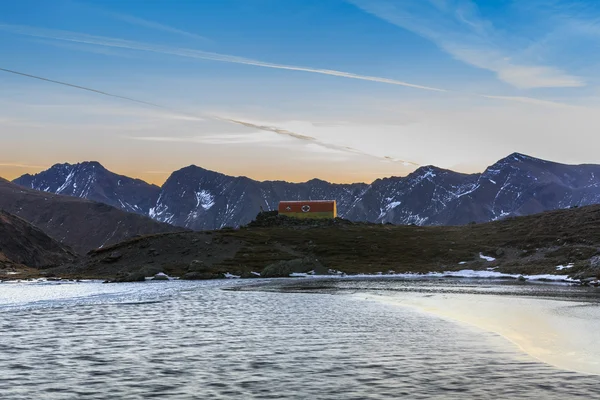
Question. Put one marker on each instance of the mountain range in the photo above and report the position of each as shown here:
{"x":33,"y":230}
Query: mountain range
{"x":199,"y":199}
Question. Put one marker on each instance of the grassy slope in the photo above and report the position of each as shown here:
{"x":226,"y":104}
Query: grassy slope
{"x":528,"y":245}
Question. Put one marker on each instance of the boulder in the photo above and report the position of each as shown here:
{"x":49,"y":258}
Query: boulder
{"x":150,"y":270}
{"x":249,"y":275}
{"x":287,"y":267}
{"x":197,"y":266}
{"x":132,"y":277}
{"x":197,"y":276}
{"x":591,"y":272}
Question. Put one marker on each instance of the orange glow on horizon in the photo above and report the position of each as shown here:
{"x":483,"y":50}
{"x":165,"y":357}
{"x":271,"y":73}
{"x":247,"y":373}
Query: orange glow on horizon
{"x":262,"y":173}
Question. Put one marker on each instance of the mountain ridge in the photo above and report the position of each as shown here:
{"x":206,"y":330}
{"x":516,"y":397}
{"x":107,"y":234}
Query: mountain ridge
{"x":197,"y":198}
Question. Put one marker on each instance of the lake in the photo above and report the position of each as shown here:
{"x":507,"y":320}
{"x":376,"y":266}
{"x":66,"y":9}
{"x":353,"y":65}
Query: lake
{"x":298,"y":339}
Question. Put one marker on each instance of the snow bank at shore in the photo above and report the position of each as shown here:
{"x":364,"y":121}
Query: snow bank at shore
{"x":465,"y":273}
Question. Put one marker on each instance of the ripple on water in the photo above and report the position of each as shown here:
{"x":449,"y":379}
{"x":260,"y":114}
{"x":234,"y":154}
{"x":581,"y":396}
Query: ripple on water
{"x":193,"y":341}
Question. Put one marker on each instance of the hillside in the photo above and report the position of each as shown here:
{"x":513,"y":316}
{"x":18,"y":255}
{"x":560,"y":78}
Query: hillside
{"x":23,"y":245}
{"x":80,"y":224}
{"x":199,"y":199}
{"x":535,"y":244}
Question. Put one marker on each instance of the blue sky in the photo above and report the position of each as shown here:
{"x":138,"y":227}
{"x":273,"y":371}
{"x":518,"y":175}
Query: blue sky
{"x":346,"y":90}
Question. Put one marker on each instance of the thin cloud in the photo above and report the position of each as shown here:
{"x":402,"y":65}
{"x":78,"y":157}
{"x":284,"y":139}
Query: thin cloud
{"x":529,"y":100}
{"x":155,"y":25}
{"x":457,"y":28}
{"x":20,"y":165}
{"x":192,"y":53}
{"x":242,"y":138}
{"x":247,"y":124}
{"x":145,"y":23}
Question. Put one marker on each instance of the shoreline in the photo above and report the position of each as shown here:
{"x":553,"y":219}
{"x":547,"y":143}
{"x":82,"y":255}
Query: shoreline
{"x":539,"y":327}
{"x":487,"y":274}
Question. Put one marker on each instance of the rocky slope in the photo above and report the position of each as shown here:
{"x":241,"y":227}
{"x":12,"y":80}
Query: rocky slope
{"x":198,"y":199}
{"x":80,"y":224}
{"x":22,"y":244}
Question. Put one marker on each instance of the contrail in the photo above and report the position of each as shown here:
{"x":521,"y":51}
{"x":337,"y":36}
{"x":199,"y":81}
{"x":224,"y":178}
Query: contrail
{"x":299,"y":136}
{"x":266,"y":128}
{"x":192,"y":53}
{"x":81,"y":87}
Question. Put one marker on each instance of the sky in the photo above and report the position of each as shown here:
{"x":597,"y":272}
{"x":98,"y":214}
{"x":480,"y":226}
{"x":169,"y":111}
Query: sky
{"x":341,"y":90}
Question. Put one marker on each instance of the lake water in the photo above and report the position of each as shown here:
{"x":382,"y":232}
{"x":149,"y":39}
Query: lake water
{"x":296,"y":339}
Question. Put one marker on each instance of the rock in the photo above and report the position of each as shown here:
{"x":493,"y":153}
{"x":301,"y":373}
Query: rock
{"x":195,"y":276}
{"x":161,"y":276}
{"x":132,"y":277}
{"x":150,"y":270}
{"x":249,"y":275}
{"x":521,"y":278}
{"x":591,"y":272}
{"x":499,"y":252}
{"x":595,"y":262}
{"x":197,"y":266}
{"x":287,"y":267}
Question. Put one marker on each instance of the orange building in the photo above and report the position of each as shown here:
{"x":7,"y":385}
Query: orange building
{"x":310,"y":209}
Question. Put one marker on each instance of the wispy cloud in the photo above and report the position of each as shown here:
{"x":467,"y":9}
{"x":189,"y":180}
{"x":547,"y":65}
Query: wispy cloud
{"x":155,"y":25}
{"x":457,"y":28}
{"x":137,"y":21}
{"x":227,"y":139}
{"x":88,"y":49}
{"x":20,"y":165}
{"x":529,"y":100}
{"x":192,"y":53}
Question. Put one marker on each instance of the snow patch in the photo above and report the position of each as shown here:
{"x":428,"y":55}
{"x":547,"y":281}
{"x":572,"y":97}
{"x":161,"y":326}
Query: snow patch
{"x":561,"y":267}
{"x":231,"y":276}
{"x":486,"y":258}
{"x":393,"y":205}
{"x":465,"y":273}
{"x":302,"y":274}
{"x":204,"y":199}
